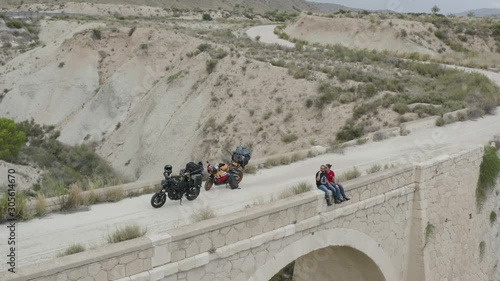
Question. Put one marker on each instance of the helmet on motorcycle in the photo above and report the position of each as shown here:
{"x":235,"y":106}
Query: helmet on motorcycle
{"x":168,"y":168}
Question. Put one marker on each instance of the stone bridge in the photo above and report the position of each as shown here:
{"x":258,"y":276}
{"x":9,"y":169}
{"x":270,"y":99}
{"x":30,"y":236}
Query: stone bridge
{"x":410,"y":223}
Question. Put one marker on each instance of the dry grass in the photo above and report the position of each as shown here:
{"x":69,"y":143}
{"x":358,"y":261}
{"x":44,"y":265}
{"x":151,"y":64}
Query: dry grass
{"x":126,"y":233}
{"x":202,"y":214}
{"x":73,"y":249}
{"x":251,"y":169}
{"x":350,"y":174}
{"x":93,"y":198}
{"x":115,"y":194}
{"x":374,"y":168}
{"x":300,"y":188}
{"x":74,"y":198}
{"x":41,"y":205}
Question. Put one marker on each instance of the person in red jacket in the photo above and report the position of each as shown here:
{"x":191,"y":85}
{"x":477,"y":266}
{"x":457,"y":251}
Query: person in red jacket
{"x":331,"y":179}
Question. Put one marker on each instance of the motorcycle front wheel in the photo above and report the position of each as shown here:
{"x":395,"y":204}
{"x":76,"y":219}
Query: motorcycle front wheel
{"x":208,"y":184}
{"x":158,"y":200}
{"x":193,"y":193}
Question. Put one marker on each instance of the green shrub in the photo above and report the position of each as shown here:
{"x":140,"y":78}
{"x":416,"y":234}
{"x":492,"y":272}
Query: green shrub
{"x":11,"y":139}
{"x":482,"y":249}
{"x":429,"y":232}
{"x":289,"y":138}
{"x":488,"y":174}
{"x":441,"y":35}
{"x":207,"y":17}
{"x":440,"y":122}
{"x":211,"y":64}
{"x":400,"y":108}
{"x":73,"y":249}
{"x":309,"y":103}
{"x":127,"y":232}
{"x":21,"y":211}
{"x":96,"y":34}
{"x":461,"y":116}
{"x":493,"y":217}
{"x":349,"y":132}
{"x":14,"y":24}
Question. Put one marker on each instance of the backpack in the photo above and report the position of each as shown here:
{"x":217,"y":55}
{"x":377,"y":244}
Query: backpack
{"x":242,"y":155}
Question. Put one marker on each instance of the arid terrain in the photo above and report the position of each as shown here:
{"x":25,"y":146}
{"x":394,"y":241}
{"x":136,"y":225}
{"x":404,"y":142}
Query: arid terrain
{"x":108,"y":92}
{"x":148,"y":86}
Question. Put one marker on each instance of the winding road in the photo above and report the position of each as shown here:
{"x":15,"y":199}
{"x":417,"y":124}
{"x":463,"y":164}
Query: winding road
{"x":42,"y":238}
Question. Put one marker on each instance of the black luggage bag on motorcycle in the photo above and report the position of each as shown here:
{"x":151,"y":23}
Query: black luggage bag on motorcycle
{"x":242,"y":155}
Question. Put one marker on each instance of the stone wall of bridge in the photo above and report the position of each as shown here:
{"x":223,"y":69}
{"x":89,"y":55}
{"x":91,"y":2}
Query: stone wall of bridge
{"x":384,"y":226}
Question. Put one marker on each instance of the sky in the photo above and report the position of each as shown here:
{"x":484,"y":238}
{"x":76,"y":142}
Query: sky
{"x":405,"y":6}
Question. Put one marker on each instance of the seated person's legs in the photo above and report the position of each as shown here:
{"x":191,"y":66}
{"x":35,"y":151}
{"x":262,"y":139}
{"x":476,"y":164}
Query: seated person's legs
{"x":342,"y":192}
{"x":335,"y":193}
{"x":327,"y":195}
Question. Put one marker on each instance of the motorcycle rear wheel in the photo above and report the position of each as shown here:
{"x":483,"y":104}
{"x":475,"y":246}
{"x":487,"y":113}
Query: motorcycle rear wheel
{"x":208,"y":184}
{"x":158,"y":200}
{"x":240,"y":176}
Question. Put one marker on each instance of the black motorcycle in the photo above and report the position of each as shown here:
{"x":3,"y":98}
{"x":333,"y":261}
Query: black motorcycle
{"x":188,"y":183}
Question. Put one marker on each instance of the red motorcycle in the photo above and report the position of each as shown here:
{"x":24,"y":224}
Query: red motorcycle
{"x":221,"y":174}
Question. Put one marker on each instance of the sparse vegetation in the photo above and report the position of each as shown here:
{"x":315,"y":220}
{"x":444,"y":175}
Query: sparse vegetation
{"x":207,"y":17}
{"x":131,"y":31}
{"x":11,"y":139}
{"x":429,"y":232}
{"x":300,"y":188}
{"x":73,"y":199}
{"x":40,"y":205}
{"x":202,"y":214}
{"x":127,"y":232}
{"x":374,"y":168}
{"x":250,"y":169}
{"x":96,"y":34}
{"x":73,"y":249}
{"x":289,"y":138}
{"x":482,"y":250}
{"x":440,"y":122}
{"x":493,"y":217}
{"x":488,"y":174}
{"x":350,"y":174}
{"x":115,"y":194}
{"x":21,"y":211}
{"x":211,"y":64}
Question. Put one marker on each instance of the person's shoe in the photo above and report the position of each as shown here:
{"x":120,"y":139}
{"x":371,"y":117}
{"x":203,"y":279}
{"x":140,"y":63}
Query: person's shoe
{"x":338,"y":202}
{"x":347,"y":199}
{"x":328,"y":202}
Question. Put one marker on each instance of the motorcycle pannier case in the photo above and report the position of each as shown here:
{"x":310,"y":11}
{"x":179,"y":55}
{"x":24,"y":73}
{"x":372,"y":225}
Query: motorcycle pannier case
{"x":192,"y":167}
{"x":242,"y":155}
{"x":197,"y":179}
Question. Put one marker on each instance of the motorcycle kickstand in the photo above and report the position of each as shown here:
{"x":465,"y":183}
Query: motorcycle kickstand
{"x":181,"y":201}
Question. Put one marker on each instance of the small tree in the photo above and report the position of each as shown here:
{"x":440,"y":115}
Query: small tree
{"x":435,"y":9}
{"x":471,"y":14}
{"x":207,"y":17}
{"x":11,"y":139}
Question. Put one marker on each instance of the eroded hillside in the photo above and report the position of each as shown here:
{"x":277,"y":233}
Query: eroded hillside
{"x":150,"y":92}
{"x":466,"y":41}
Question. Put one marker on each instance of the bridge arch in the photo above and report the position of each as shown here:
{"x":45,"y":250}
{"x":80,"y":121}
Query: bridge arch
{"x":342,"y":240}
